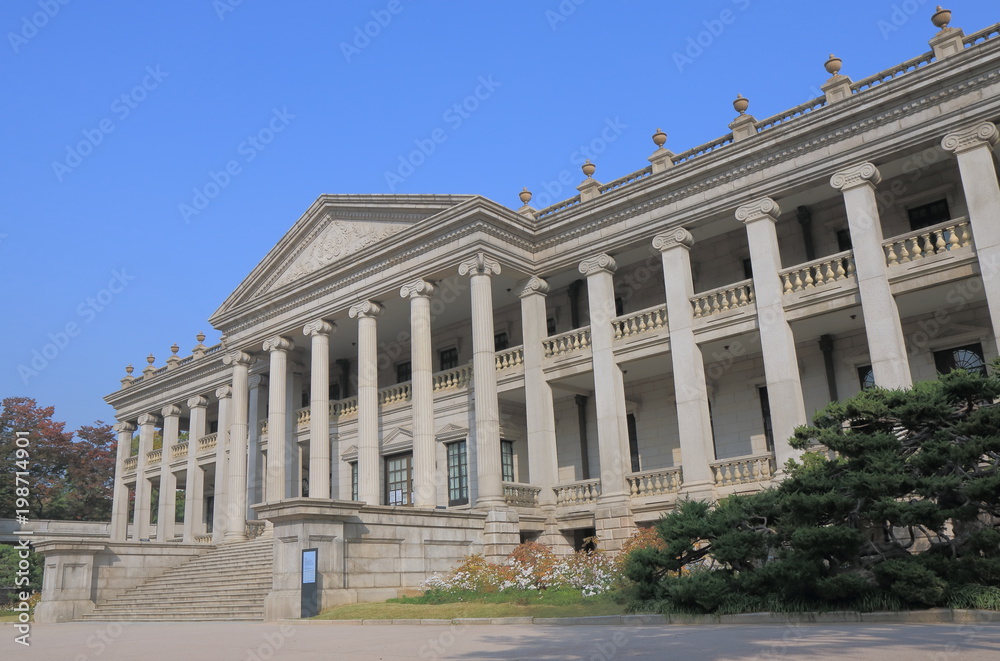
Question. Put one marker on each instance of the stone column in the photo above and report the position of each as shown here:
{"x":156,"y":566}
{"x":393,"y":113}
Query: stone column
{"x":319,"y":408}
{"x":168,"y":481}
{"x":777,"y":343}
{"x":143,"y":490}
{"x":119,"y":507}
{"x":973,"y":146}
{"x":194,"y":486}
{"x":236,"y":506}
{"x":225,"y":396}
{"x":542,"y":457}
{"x":422,"y":387}
{"x":255,"y":465}
{"x":277,"y":452}
{"x":609,"y":384}
{"x":366,"y":313}
{"x":489,"y":472}
{"x":885,"y":333}
{"x":293,"y":454}
{"x":694,"y":423}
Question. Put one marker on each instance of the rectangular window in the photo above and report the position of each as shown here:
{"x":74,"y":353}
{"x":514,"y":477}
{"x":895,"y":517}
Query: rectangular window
{"x":866,"y":377}
{"x":458,"y":473}
{"x":507,"y":460}
{"x":619,"y":306}
{"x":969,"y":358}
{"x":404,"y":372}
{"x":500,"y":342}
{"x":928,"y":214}
{"x":334,"y":392}
{"x":399,"y":479}
{"x":747,"y":269}
{"x":550,"y":325}
{"x":844,"y":240}
{"x":448,"y":358}
{"x":354,"y":480}
{"x":633,"y":443}
{"x":765,"y":411}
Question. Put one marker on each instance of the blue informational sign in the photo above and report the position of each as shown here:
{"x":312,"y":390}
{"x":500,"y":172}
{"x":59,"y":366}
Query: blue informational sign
{"x":308,"y":566}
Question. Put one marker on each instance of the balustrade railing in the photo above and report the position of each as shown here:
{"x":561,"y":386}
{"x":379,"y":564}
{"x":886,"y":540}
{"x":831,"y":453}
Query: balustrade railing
{"x":928,"y":241}
{"x":558,"y":206}
{"x":453,"y":378}
{"x":722,"y":299}
{"x":178,"y":450}
{"x":207,"y":442}
{"x":743,"y":470}
{"x":130,"y":463}
{"x":509,"y":358}
{"x":578,"y":493}
{"x":344,"y":407}
{"x":909,"y":65}
{"x":397,"y":393}
{"x":818,"y":272}
{"x":255,"y":529}
{"x":303,"y":416}
{"x":154,"y":457}
{"x":564,"y":343}
{"x":640,"y":322}
{"x":626,"y":180}
{"x":654,"y":482}
{"x":202,"y":539}
{"x":516,"y":494}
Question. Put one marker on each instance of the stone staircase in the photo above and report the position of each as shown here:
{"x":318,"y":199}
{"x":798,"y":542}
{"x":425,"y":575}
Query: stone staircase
{"x":226,"y":583}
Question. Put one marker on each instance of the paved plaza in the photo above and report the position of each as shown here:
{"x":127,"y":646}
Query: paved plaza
{"x":232,"y":641}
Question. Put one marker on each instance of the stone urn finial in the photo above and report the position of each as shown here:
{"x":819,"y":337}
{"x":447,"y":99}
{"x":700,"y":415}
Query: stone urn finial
{"x":150,"y":359}
{"x":174,"y":348}
{"x":129,"y":369}
{"x":525,"y":195}
{"x":200,"y":337}
{"x":589,"y":168}
{"x":741,"y":104}
{"x":833,"y":65}
{"x":659,"y":138}
{"x":941,"y":17}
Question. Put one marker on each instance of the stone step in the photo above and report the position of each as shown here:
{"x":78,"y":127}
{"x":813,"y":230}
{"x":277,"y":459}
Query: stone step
{"x":224,"y":583}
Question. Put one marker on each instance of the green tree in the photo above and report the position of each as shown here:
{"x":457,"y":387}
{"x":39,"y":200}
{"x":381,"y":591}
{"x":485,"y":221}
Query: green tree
{"x":901,"y":507}
{"x":10,"y":583}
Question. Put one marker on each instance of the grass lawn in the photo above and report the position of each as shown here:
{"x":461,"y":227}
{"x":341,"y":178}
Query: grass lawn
{"x":8,"y":616}
{"x":550,"y":603}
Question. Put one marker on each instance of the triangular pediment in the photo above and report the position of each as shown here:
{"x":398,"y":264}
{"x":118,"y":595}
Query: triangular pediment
{"x":350,"y":453}
{"x":451,"y":432}
{"x":335,"y":229}
{"x":397,"y":436}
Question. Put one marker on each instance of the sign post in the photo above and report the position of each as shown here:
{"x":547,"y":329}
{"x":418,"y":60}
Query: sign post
{"x":310,"y":589}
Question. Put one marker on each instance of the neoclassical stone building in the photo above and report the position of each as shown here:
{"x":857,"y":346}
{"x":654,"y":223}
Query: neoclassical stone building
{"x":406,"y":379}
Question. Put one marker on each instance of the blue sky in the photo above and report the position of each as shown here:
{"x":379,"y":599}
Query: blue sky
{"x":154,"y":152}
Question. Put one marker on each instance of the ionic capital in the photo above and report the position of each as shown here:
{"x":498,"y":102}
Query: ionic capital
{"x":278,"y":343}
{"x":982,"y":134}
{"x":170,"y":411}
{"x":762,"y":209}
{"x":675,"y":238}
{"x":479,"y":264}
{"x":598,"y":263}
{"x":533,"y":285}
{"x":239,"y":358}
{"x":319,"y":327}
{"x":365,"y":310}
{"x":256,"y":381}
{"x":419,"y":288}
{"x":857,"y":175}
{"x":224,"y":392}
{"x":149,"y":419}
{"x":124,"y":428}
{"x":197,"y":402}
